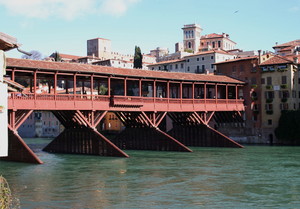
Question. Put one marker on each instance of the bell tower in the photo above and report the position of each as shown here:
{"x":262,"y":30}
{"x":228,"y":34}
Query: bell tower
{"x":191,"y":37}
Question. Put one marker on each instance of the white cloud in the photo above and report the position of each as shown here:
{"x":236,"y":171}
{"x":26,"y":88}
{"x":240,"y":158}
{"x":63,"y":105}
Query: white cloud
{"x":116,"y":7}
{"x":66,"y":9}
{"x":295,"y":9}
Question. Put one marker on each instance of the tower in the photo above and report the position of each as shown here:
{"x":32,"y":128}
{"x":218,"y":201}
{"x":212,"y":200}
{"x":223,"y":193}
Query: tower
{"x":99,"y":47}
{"x":191,"y":37}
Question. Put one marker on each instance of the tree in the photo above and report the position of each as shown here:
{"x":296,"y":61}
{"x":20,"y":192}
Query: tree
{"x":138,"y":58}
{"x":289,"y":126}
{"x":35,"y":55}
{"x":56,"y":56}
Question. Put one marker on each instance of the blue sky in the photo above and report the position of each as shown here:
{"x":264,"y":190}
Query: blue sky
{"x":65,"y":25}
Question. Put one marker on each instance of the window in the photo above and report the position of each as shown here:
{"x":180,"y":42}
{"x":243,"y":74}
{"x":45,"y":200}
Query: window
{"x":269,"y":107}
{"x":212,"y":57}
{"x":181,"y":65}
{"x":212,"y":66}
{"x":284,"y":106}
{"x":284,"y":94}
{"x":219,"y":44}
{"x":190,"y":45}
{"x":188,"y":60}
{"x":188,"y":68}
{"x":202,"y":58}
{"x":269,"y":80}
{"x":253,"y":80}
{"x":269,"y":122}
{"x":269,"y":94}
{"x":159,"y":68}
{"x":233,"y":68}
{"x":171,"y":67}
{"x":242,"y":68}
{"x":283,"y":79}
{"x":176,"y":66}
{"x":214,"y":44}
{"x":198,"y":59}
{"x":262,"y":81}
{"x":203,"y":68}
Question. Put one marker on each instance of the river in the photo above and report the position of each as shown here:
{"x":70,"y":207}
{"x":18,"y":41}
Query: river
{"x":253,"y":177}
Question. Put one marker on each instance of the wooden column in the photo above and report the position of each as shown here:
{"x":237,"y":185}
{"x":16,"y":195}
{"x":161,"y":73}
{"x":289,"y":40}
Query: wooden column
{"x":125,"y":86}
{"x":74,"y":85}
{"x":108,"y":86}
{"x":55,"y":84}
{"x":34,"y":83}
{"x":140,"y":87}
{"x":92,"y":86}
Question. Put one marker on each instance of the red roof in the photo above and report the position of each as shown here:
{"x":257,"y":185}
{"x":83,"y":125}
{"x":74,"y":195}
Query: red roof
{"x":212,"y":35}
{"x":209,"y":52}
{"x":105,"y":70}
{"x":69,"y":56}
{"x":291,"y":43}
{"x":238,"y":59}
{"x":277,"y":60}
{"x":167,"y":62}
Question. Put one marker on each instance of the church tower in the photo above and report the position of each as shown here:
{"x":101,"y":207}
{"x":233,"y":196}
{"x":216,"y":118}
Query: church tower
{"x":191,"y":37}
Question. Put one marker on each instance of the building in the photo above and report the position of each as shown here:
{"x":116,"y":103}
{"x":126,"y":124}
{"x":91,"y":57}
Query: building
{"x":6,"y":43}
{"x":40,"y":124}
{"x":288,"y":48}
{"x":216,"y":41}
{"x":201,"y":62}
{"x":280,"y":91}
{"x":191,"y":37}
{"x":101,"y":48}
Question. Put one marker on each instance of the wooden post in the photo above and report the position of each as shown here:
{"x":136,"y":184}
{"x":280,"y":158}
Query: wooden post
{"x":140,"y":87}
{"x":74,"y":85}
{"x":55,"y":84}
{"x":34,"y":83}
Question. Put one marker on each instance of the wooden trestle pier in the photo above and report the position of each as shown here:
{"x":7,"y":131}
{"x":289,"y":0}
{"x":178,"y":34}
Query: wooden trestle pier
{"x":80,"y":95}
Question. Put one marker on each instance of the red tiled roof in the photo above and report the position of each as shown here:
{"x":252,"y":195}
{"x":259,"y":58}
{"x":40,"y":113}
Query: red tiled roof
{"x":104,"y":70}
{"x":13,"y":83}
{"x":291,"y":43}
{"x":167,"y":62}
{"x":209,"y":52}
{"x":277,"y":60}
{"x":212,"y":35}
{"x":69,"y":56}
{"x":238,"y":59}
{"x":287,"y":49}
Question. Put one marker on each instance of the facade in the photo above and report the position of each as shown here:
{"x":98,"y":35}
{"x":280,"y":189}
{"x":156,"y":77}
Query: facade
{"x":40,"y":124}
{"x":280,"y":91}
{"x":7,"y":42}
{"x":288,"y":48}
{"x":247,"y":69}
{"x":202,"y":62}
{"x":216,"y":41}
{"x":191,"y":37}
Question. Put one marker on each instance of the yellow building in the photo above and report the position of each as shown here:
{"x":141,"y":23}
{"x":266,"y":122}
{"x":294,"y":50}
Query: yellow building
{"x":280,"y":83}
{"x":112,"y":123}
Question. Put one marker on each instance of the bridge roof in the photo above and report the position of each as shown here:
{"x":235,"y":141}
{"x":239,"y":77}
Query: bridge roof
{"x":87,"y":68}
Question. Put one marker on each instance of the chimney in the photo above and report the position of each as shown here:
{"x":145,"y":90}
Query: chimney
{"x":259,"y":56}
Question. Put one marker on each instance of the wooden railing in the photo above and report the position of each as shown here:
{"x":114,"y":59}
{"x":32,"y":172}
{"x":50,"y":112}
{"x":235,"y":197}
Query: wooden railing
{"x":119,"y":99}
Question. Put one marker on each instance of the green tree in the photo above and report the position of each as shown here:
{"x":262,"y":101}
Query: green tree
{"x":289,"y":126}
{"x":138,"y":58}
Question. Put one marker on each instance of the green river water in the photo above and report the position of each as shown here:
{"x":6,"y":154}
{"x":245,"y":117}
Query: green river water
{"x":253,"y":177}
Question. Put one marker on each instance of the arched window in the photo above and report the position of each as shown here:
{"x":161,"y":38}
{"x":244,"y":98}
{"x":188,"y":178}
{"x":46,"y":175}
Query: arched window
{"x":190,"y":45}
{"x":192,"y":34}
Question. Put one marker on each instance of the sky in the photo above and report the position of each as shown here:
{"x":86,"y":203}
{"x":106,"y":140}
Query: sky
{"x":65,"y":25}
